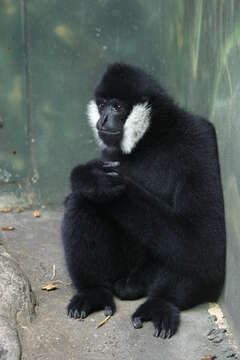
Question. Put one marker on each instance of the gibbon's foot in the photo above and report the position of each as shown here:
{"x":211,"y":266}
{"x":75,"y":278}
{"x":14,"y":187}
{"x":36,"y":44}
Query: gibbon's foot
{"x":90,"y":300}
{"x":125,"y":290}
{"x":165,"y":317}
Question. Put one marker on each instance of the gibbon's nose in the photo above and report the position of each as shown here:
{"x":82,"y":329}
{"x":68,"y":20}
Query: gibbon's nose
{"x":102,"y":121}
{"x":106,"y":122}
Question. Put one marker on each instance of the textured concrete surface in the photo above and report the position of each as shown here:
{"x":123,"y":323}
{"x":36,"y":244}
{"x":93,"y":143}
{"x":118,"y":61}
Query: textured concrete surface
{"x":36,"y":245}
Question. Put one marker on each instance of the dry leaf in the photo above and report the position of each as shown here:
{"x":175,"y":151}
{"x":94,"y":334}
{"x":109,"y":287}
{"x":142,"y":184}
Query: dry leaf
{"x":208,"y":357}
{"x":103,"y":321}
{"x":62,"y":282}
{"x":8,"y":228}
{"x":5,"y":210}
{"x":49,"y":286}
{"x":19,"y":210}
{"x":36,"y":213}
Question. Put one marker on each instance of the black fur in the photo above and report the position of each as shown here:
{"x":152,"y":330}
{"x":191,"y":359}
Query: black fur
{"x":151,"y":224}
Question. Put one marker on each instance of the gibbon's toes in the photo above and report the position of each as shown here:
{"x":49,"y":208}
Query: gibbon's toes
{"x":78,"y":308}
{"x":88,"y":301}
{"x":73,"y":308}
{"x":83,"y":314}
{"x":142,"y":314}
{"x":137,"y":322}
{"x":76,"y":314}
{"x":166,"y":323}
{"x":108,"y":311}
{"x":70,"y":313}
{"x":165,"y":317}
{"x":162,"y":333}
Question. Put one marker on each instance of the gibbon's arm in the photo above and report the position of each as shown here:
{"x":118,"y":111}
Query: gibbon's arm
{"x":141,"y":194}
{"x":162,"y":227}
{"x":189,"y":201}
{"x":195,"y":190}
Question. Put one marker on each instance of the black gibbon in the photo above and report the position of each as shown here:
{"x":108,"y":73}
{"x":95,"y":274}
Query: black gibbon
{"x":146,"y":218}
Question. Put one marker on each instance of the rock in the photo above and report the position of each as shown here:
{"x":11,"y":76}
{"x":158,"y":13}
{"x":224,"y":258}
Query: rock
{"x":16,"y":305}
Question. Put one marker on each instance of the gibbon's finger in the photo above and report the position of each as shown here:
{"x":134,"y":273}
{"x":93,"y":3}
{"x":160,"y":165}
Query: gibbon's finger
{"x":110,"y":164}
{"x":113,"y":173}
{"x":109,"y":170}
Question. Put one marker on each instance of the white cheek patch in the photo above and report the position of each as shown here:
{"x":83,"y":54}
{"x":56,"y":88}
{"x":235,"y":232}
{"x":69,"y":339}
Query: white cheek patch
{"x":135,"y":127}
{"x":93,"y":117}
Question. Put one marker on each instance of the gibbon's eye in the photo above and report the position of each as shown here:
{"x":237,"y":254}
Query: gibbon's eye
{"x":101,"y":105}
{"x":117,"y":107}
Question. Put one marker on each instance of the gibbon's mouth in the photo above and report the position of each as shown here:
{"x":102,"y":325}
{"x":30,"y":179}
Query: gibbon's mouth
{"x":110,"y":138}
{"x":107,"y":132}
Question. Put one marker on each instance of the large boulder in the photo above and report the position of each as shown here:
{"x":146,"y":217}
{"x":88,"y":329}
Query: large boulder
{"x":17,"y":303}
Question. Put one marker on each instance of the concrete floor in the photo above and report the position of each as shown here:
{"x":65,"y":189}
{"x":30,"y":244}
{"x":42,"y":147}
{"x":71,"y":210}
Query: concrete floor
{"x":36,"y":244}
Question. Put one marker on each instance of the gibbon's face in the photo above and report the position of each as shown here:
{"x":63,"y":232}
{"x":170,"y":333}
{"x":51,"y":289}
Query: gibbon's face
{"x":112,"y":116}
{"x":117,"y":124}
{"x":120,"y":113}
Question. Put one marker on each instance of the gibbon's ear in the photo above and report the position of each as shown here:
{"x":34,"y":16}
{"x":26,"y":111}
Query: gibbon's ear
{"x":135,"y":126}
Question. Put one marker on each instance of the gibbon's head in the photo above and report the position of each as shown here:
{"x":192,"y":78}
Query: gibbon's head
{"x":121,"y":112}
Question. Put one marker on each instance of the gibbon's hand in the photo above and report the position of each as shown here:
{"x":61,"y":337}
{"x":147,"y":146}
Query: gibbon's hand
{"x":98,"y":181}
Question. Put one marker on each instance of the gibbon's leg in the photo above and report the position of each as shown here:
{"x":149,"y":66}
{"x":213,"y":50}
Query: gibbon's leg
{"x":169,"y":294}
{"x":93,"y":256}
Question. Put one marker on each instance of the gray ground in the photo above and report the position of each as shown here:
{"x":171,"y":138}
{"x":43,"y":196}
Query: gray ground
{"x":36,"y":245}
